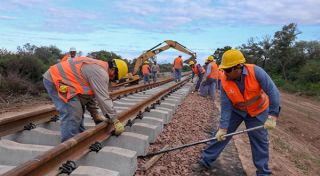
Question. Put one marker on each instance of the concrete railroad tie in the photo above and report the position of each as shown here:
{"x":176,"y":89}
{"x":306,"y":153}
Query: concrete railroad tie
{"x":118,"y":155}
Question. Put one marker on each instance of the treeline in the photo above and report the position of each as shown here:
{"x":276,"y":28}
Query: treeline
{"x":21,"y":71}
{"x":293,"y":65}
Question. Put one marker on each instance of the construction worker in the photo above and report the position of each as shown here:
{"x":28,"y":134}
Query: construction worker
{"x":248,"y":94}
{"x":67,"y":82}
{"x":199,"y":71}
{"x":212,"y":76}
{"x":72,"y":54}
{"x":220,"y":73}
{"x":146,"y":72}
{"x":155,"y":69}
{"x":177,"y":66}
{"x":204,"y":88}
{"x":91,"y":104}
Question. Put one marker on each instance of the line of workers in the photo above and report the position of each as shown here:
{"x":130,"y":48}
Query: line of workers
{"x":209,"y":76}
{"x":247,"y":94}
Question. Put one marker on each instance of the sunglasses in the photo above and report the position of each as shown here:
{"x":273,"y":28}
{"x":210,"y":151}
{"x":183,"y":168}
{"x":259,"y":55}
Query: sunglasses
{"x":228,"y":70}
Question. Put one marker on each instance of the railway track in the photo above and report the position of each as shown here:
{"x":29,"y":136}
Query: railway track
{"x":37,"y":151}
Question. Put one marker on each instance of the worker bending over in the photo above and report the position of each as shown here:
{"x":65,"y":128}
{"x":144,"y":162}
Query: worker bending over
{"x":247,"y":94}
{"x":91,"y":104}
{"x":199,"y":71}
{"x":69,"y":81}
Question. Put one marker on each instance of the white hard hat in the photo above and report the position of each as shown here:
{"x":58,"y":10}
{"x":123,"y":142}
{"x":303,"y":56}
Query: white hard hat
{"x":72,"y":49}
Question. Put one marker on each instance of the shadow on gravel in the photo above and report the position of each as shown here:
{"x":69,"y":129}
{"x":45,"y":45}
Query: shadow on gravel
{"x":228,"y":164}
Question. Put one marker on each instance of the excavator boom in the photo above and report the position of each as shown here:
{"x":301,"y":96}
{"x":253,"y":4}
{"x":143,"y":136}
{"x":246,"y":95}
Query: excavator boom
{"x":133,"y":78}
{"x":156,"y":50}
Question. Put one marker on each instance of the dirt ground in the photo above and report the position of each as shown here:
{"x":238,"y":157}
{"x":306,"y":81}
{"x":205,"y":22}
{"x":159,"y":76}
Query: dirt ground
{"x":10,"y":105}
{"x":294,"y":144}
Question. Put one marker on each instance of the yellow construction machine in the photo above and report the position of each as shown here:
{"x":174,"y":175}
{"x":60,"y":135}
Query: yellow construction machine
{"x":133,"y":78}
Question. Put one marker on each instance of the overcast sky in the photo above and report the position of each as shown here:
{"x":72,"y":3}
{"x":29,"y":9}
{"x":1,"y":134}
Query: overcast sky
{"x":128,"y":27}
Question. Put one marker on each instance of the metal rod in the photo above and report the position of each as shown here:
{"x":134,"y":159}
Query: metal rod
{"x":202,"y":141}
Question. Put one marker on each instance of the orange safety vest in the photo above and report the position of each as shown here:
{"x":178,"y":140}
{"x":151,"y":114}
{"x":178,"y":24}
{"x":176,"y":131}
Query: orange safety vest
{"x":254,"y":100}
{"x":145,"y":69}
{"x":196,"y":71}
{"x":177,"y":63}
{"x":65,"y":57}
{"x":214,"y":71}
{"x":69,"y":74}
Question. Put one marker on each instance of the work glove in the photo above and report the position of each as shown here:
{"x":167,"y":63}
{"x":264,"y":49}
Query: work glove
{"x":63,"y":89}
{"x":270,"y":123}
{"x":118,"y":127}
{"x":221,"y":132}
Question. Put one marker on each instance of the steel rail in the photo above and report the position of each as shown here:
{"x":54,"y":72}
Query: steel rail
{"x":17,"y":123}
{"x":76,"y":147}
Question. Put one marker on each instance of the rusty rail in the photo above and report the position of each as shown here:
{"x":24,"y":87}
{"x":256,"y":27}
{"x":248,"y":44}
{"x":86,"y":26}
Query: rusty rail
{"x":78,"y":146}
{"x":17,"y":123}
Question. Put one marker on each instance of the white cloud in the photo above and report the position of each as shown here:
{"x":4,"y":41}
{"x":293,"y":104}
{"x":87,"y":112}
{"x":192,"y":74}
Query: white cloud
{"x":183,"y":13}
{"x":8,"y":18}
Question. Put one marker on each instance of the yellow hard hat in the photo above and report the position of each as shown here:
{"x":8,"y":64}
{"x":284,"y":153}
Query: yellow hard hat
{"x":122,"y":68}
{"x":146,"y":62}
{"x":231,"y":58}
{"x":191,"y":63}
{"x":210,"y":58}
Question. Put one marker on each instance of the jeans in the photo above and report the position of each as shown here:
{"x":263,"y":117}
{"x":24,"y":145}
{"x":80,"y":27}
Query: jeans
{"x":204,"y":89}
{"x":70,"y":113}
{"x":212,"y":87}
{"x":146,"y":79}
{"x":177,"y":75}
{"x":200,"y":76}
{"x":219,"y":84}
{"x":258,"y":141}
{"x":154,"y":76}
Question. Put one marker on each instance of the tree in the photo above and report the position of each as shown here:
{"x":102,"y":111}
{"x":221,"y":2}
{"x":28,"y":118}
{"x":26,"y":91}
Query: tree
{"x":282,"y":53}
{"x":48,"y":55}
{"x":104,"y":55}
{"x":219,"y":52}
{"x":26,"y":49}
{"x":257,"y":52}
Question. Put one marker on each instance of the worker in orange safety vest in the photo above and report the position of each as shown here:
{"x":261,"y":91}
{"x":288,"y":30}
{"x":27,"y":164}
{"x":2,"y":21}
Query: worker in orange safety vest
{"x":177,"y":67}
{"x":248,"y":94}
{"x":68,"y":81}
{"x":199,"y":71}
{"x":72,"y":54}
{"x":211,"y":77}
{"x":146,"y":72}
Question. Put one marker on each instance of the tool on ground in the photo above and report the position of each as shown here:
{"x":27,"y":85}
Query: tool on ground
{"x":202,"y":141}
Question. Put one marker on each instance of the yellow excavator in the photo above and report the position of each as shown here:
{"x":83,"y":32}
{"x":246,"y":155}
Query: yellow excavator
{"x":133,"y":78}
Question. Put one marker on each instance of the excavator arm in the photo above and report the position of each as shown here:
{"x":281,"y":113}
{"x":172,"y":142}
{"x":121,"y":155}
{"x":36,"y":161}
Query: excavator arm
{"x":156,"y":50}
{"x":134,"y":78}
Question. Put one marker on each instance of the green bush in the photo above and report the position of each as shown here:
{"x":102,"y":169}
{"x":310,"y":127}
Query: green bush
{"x":310,"y":72}
{"x":303,"y":87}
{"x":25,"y":66}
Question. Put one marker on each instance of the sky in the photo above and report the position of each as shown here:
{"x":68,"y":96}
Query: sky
{"x":130,"y":27}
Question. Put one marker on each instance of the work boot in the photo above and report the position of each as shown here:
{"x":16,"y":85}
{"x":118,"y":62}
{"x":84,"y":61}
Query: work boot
{"x":198,"y":167}
{"x":97,"y":118}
